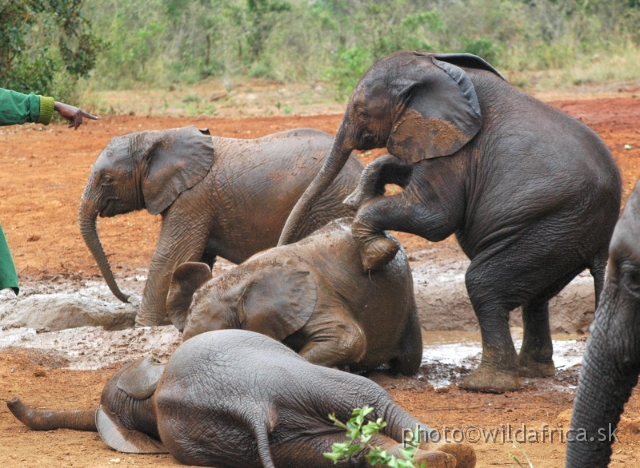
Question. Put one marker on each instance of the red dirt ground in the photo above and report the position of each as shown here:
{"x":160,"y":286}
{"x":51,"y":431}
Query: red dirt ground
{"x":42,"y":174}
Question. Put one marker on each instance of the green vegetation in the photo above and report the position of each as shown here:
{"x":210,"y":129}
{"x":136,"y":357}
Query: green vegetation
{"x":359,"y":436}
{"x":45,"y":46}
{"x":166,"y":43}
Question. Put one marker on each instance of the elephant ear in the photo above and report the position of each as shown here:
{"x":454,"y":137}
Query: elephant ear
{"x":278,"y":301}
{"x":119,"y":438}
{"x":441,"y":114}
{"x":466,"y":60}
{"x":140,"y":379}
{"x":176,"y":160}
{"x":186,"y":279}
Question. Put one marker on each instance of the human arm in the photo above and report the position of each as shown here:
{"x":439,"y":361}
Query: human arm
{"x":18,"y":108}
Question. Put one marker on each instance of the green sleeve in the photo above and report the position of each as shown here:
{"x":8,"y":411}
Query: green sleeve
{"x":18,"y":108}
{"x":8,"y":275}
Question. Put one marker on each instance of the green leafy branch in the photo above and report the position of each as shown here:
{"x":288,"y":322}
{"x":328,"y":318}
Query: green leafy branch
{"x":359,"y":436}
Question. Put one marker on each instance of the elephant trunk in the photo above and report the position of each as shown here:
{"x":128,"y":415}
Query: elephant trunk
{"x":43,"y":420}
{"x":606,"y":381}
{"x":87,"y":216}
{"x":332,"y":166}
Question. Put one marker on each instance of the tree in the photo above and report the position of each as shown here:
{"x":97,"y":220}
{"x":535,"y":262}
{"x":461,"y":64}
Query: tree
{"x":42,"y":38}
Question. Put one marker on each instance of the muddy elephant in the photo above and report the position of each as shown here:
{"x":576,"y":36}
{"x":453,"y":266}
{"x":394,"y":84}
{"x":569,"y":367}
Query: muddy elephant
{"x":217,"y":196}
{"x":611,"y":362}
{"x":234,"y":398}
{"x":531,"y":194}
{"x":313,"y":296}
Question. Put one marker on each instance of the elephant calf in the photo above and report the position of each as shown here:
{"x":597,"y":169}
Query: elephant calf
{"x":611,"y":362}
{"x":313,"y":296}
{"x":217,"y":196}
{"x":235,"y":398}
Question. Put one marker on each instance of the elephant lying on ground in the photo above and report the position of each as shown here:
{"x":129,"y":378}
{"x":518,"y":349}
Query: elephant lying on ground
{"x":531,"y":194}
{"x":611,"y":362}
{"x":217,"y":196}
{"x":313,"y":296}
{"x":235,"y":398}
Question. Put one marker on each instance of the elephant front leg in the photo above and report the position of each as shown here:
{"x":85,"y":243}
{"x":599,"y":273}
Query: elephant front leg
{"x":337,"y":345}
{"x":384,"y":170}
{"x":178,"y":243}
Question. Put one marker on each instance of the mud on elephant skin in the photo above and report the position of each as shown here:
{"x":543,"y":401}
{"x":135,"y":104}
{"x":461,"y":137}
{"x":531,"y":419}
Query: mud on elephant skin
{"x":531,"y":194}
{"x":217,"y":196}
{"x":251,"y":390}
{"x":313,"y":296}
{"x":611,"y":362}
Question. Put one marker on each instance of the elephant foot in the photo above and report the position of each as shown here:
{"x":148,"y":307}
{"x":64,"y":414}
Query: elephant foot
{"x":355,"y":199}
{"x":377,"y":252}
{"x":435,"y":459}
{"x":528,"y":367}
{"x":464,"y":454}
{"x":145,"y":321}
{"x":488,"y":380}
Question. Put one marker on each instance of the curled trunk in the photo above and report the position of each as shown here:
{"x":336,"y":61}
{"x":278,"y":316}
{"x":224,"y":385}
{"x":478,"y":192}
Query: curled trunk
{"x":44,"y":420}
{"x":87,"y":216}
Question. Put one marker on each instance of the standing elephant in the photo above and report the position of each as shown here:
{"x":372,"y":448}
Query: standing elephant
{"x":217,"y":196}
{"x":531,"y":194}
{"x":238,"y":399}
{"x":611,"y":362}
{"x":314,"y":297}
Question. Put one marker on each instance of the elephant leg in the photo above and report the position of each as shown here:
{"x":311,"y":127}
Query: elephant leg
{"x":337,"y":345}
{"x":384,"y":170}
{"x":179,"y":242}
{"x":536,"y":354}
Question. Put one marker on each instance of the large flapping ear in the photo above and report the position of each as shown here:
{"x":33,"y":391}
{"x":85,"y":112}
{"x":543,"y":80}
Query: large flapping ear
{"x":177,"y":160}
{"x":140,"y":379}
{"x":186,"y":279}
{"x":119,"y":438}
{"x":467,"y":61}
{"x":277,"y":301}
{"x":441,"y":113}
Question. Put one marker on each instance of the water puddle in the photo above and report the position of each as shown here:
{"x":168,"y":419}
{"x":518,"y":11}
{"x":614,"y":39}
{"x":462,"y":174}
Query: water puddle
{"x":448,"y":356}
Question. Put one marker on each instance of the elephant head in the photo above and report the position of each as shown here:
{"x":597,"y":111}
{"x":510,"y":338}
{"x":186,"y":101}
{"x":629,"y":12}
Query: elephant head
{"x":141,"y":170}
{"x":417,"y":105}
{"x":126,"y":419}
{"x":275,"y":300}
{"x":611,"y":361}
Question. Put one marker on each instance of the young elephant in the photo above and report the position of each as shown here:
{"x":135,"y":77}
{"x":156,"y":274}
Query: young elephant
{"x":235,"y":398}
{"x":611,"y":362}
{"x":314,"y":297}
{"x":217,"y":196}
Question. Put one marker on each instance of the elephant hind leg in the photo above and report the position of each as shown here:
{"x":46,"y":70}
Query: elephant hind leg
{"x":597,"y":270}
{"x":536,"y":354}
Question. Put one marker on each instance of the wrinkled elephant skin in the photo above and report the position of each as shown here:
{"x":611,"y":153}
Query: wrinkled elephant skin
{"x":313,"y":296}
{"x":611,"y":362}
{"x":217,"y":196}
{"x":238,"y":399}
{"x":531,"y":194}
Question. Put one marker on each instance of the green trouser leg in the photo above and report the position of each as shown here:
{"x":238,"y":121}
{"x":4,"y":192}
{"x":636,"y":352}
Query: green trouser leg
{"x":8,"y":274}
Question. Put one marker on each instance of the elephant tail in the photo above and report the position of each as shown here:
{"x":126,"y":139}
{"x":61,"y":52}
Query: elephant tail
{"x":44,"y":420}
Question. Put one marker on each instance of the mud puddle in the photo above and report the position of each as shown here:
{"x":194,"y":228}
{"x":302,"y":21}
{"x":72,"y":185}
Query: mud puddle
{"x":449,"y":356}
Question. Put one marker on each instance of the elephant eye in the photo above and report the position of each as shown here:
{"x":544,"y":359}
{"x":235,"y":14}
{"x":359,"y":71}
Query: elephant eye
{"x":107,"y":180}
{"x":631,"y":278}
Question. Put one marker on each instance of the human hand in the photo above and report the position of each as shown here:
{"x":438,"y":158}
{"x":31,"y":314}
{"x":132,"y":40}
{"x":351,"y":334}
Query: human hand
{"x":72,"y":114}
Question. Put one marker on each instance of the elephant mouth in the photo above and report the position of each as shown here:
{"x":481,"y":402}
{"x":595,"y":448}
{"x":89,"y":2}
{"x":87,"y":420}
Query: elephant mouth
{"x":110,"y":209}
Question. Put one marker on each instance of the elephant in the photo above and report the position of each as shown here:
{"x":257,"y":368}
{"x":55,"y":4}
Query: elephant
{"x":611,"y":361}
{"x":235,"y":398}
{"x":217,"y":196}
{"x":531,"y":194}
{"x":314,"y":297}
